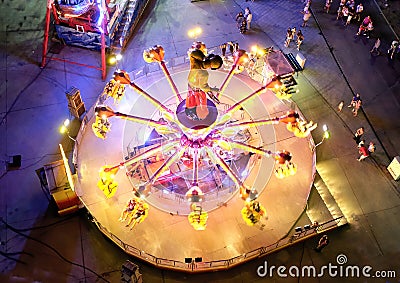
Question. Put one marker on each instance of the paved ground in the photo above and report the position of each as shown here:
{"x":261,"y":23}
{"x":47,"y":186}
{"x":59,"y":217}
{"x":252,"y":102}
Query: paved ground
{"x":33,"y":105}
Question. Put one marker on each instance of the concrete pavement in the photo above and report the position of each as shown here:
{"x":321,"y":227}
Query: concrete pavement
{"x":33,"y":105}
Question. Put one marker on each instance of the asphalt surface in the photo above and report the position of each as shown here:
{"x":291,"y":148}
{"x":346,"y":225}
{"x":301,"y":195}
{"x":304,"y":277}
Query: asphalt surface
{"x":47,"y":248}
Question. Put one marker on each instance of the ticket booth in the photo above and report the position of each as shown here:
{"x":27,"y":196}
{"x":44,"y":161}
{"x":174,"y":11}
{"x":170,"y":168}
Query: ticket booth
{"x":58,"y":180}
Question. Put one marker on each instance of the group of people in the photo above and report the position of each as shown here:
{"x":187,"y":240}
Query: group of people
{"x":391,"y":52}
{"x":290,"y":34}
{"x":232,"y":46}
{"x":364,"y":150}
{"x":365,"y":27}
{"x":347,"y":10}
{"x":243,"y":20}
{"x":135,"y":210}
{"x":355,"y":104}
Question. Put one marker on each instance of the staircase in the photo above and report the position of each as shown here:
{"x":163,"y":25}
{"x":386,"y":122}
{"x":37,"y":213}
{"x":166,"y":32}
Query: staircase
{"x":323,"y":205}
{"x":293,"y":62}
{"x":129,"y":19}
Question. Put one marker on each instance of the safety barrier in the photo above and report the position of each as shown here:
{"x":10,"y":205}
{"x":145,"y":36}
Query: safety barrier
{"x":197,"y":267}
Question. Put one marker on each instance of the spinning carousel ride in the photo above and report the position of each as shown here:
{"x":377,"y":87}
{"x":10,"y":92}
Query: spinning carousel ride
{"x":199,"y":149}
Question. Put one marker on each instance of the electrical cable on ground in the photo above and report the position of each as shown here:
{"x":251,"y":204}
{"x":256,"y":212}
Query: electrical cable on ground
{"x":48,"y":225}
{"x":53,"y":249}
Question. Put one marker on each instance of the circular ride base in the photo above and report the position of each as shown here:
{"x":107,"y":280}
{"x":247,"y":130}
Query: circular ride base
{"x":166,"y":233}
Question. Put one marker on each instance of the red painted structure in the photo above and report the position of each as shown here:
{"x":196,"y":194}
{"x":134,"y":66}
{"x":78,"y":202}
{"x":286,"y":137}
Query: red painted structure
{"x":93,"y":24}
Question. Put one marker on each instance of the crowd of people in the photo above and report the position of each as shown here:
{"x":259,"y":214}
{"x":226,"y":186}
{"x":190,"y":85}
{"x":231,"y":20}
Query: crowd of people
{"x":292,"y":33}
{"x":243,"y":20}
{"x":351,"y":12}
{"x":348,"y":12}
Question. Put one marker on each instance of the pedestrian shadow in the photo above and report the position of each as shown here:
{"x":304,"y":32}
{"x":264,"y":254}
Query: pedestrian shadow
{"x":250,"y":31}
{"x":361,"y":38}
{"x":373,"y":57}
{"x":390,"y":62}
{"x":254,"y":29}
{"x":340,"y":24}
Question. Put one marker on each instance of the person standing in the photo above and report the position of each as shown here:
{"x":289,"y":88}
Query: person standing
{"x":364,"y":25}
{"x":350,"y":15}
{"x":371,"y":147}
{"x":340,"y":106}
{"x":241,"y":22}
{"x":357,"y":106}
{"x":340,"y":9}
{"x":231,"y":46}
{"x":364,"y":151}
{"x":248,"y":16}
{"x":375,"y":48}
{"x":393,"y":49}
{"x":323,"y":242}
{"x":358,"y":135}
{"x":354,"y":100}
{"x":359,"y":10}
{"x":306,"y":17}
{"x":300,"y":38}
{"x":290,"y":33}
{"x":223,"y":49}
{"x":327,"y":6}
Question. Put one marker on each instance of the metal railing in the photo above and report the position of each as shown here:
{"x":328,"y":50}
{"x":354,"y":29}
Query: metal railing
{"x":224,"y":264}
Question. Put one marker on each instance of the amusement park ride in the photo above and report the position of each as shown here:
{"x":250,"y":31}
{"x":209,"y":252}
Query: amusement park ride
{"x":206,"y":137}
{"x":101,"y":25}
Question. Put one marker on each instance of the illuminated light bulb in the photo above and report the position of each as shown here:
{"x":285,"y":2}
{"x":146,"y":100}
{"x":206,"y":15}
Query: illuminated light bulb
{"x":63,"y":129}
{"x":112,"y":60}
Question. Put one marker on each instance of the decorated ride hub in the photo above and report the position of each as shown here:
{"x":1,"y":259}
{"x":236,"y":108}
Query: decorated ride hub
{"x":101,"y":25}
{"x":172,"y":167}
